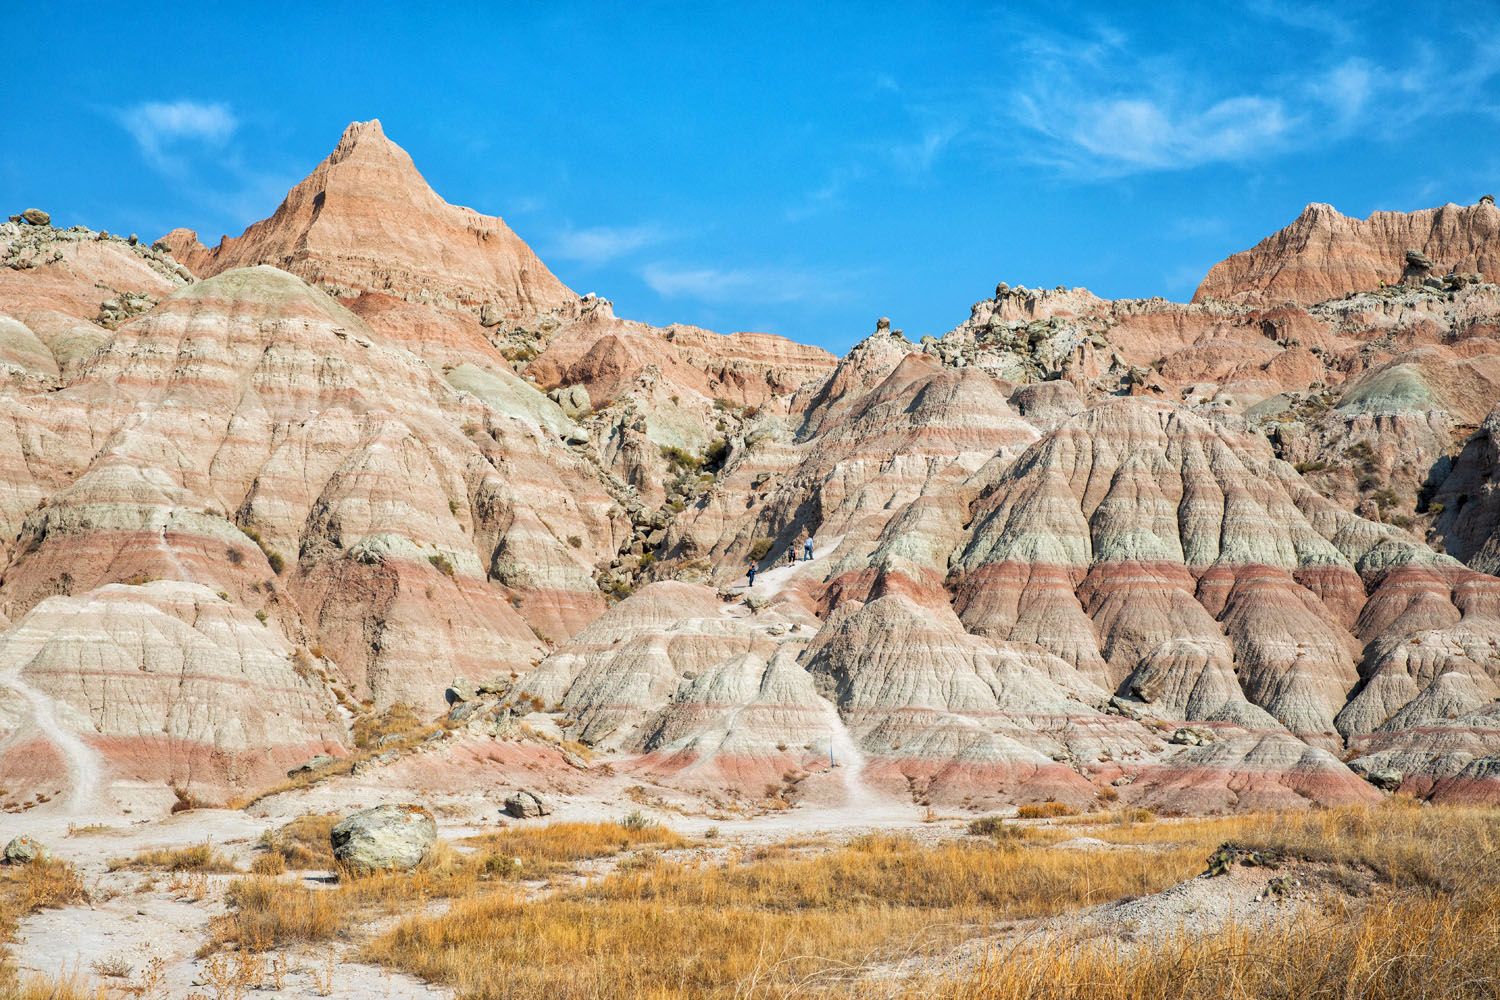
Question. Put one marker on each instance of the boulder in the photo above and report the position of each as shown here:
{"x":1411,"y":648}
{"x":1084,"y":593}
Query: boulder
{"x":462,"y":689}
{"x":1192,"y":736}
{"x":23,"y":851}
{"x":385,"y":838}
{"x":574,"y":400}
{"x":316,"y":763}
{"x":1418,"y":260}
{"x":489,"y":315}
{"x":1385,"y":779}
{"x":526,"y":805}
{"x":36,"y":217}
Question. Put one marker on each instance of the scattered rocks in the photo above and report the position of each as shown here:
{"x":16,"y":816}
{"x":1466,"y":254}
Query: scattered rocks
{"x":23,"y":851}
{"x":1229,"y":855}
{"x":1192,"y":736}
{"x":526,"y":804}
{"x":123,"y":307}
{"x":385,"y":838}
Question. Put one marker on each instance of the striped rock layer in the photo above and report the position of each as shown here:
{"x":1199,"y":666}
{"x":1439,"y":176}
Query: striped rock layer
{"x":1231,"y":554}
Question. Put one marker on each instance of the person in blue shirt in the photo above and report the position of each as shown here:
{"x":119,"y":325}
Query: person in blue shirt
{"x":807,"y":548}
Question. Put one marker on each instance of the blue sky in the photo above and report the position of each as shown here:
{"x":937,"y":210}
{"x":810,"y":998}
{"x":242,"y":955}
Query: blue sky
{"x":800,"y":169}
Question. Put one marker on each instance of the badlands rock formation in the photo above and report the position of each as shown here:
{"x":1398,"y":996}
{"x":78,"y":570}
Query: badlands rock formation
{"x":1325,"y":255}
{"x":1231,"y":554}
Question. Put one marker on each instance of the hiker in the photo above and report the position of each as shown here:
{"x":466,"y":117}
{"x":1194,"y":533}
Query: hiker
{"x":750,"y":573}
{"x":807,"y":548}
{"x":791,"y":554}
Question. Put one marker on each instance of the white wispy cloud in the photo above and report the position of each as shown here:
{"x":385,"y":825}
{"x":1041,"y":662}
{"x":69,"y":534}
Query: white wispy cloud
{"x":1104,"y":104}
{"x":160,"y":127}
{"x":760,"y":284}
{"x":601,"y":244}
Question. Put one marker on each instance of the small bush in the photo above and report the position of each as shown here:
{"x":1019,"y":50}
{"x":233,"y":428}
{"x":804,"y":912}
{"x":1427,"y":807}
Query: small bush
{"x":760,"y":548}
{"x":300,"y":844}
{"x":575,"y":541}
{"x":268,"y":864}
{"x":441,"y":564}
{"x":277,"y":563}
{"x":680,"y":458}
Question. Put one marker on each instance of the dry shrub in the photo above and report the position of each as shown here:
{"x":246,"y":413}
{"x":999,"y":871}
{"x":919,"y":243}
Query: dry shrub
{"x":197,"y":858}
{"x":1045,"y":810}
{"x":268,"y":864}
{"x":268,"y":913}
{"x":26,"y":889}
{"x":302,"y":843}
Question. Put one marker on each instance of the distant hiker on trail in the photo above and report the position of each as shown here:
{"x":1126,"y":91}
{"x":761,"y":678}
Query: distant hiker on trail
{"x":791,"y":554}
{"x":807,"y":548}
{"x":750,"y":574}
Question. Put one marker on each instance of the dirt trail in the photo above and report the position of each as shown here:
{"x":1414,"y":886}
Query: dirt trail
{"x":43,"y":718}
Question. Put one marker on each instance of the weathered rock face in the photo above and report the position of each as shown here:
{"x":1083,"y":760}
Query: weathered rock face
{"x":1076,"y":549}
{"x":385,"y":838}
{"x":1326,"y":255}
{"x":366,"y":221}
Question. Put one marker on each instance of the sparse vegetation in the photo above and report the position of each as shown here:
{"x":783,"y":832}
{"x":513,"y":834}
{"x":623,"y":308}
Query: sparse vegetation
{"x":301,"y":844}
{"x":760,"y":548}
{"x":680,"y":458}
{"x":197,"y":858}
{"x":442,"y":564}
{"x":1045,"y":810}
{"x":26,"y":889}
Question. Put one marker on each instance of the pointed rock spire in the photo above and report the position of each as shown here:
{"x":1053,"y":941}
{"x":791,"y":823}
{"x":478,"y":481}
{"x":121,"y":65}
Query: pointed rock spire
{"x":365,"y":220}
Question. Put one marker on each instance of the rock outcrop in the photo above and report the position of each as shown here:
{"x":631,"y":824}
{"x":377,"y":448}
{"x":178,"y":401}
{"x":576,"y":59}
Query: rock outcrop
{"x":1326,"y":255}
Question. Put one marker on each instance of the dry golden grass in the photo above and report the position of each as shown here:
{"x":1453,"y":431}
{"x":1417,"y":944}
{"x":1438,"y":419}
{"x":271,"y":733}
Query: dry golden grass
{"x":1045,"y":810}
{"x":269,"y":913}
{"x":672,"y":930}
{"x":26,"y":889}
{"x":303,"y":842}
{"x":398,"y":720}
{"x":67,"y":987}
{"x":197,"y":858}
{"x":544,"y":848}
{"x":774,"y":923}
{"x":1397,"y":949}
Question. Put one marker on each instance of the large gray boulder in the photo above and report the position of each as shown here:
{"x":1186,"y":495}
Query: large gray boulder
{"x":526,"y":805}
{"x":36,"y":217}
{"x":23,"y":851}
{"x":385,"y":838}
